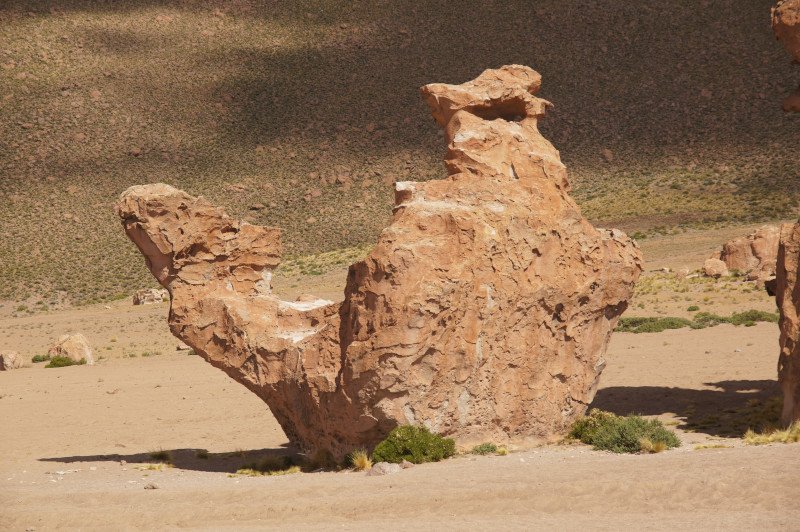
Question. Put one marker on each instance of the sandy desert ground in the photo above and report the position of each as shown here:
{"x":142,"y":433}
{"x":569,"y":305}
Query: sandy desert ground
{"x":76,"y":442}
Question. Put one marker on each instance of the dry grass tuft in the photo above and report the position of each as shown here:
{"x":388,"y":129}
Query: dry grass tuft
{"x":788,"y":435}
{"x":360,"y":460}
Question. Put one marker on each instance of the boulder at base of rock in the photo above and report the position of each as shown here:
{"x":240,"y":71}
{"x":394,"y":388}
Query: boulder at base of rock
{"x":714,"y":268}
{"x":73,"y":346}
{"x":384,"y":468}
{"x":788,"y":299}
{"x":483,"y":312}
{"x":753,"y":255}
{"x":10,"y":360}
{"x":149,"y":296}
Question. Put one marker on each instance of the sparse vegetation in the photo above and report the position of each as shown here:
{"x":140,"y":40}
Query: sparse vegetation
{"x":161,"y":456}
{"x":270,"y":466}
{"x":62,"y":362}
{"x":787,"y":435}
{"x":414,"y":444}
{"x":202,"y":454}
{"x":40,"y":358}
{"x":693,"y":308}
{"x":360,"y":460}
{"x":701,"y":320}
{"x":628,"y":434}
{"x":485,"y":448}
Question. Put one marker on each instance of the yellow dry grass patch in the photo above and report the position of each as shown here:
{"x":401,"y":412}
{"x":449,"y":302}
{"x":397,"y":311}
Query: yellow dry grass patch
{"x":788,"y":435}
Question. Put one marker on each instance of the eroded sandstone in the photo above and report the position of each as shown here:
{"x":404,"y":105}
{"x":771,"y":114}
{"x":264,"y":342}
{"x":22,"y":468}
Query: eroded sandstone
{"x":753,"y":255}
{"x":483,"y":312}
{"x":788,"y":299}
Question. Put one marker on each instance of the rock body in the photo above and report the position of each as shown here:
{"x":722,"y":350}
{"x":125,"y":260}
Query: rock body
{"x":149,"y":296}
{"x":10,"y":360}
{"x":786,"y":25}
{"x":714,"y":268}
{"x":74,"y":346}
{"x":753,"y":255}
{"x":483,"y":312}
{"x":788,"y":299}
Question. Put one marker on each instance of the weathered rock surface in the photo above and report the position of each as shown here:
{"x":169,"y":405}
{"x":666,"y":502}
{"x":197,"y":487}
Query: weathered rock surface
{"x":786,"y":25}
{"x":753,"y":255}
{"x":714,"y":268}
{"x":483,"y":312}
{"x":10,"y":360}
{"x":73,"y":346}
{"x":788,"y":299}
{"x":384,"y":468}
{"x":149,"y":296}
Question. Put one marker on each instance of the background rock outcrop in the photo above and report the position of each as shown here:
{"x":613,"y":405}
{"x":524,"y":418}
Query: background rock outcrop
{"x":753,"y":255}
{"x":788,"y":299}
{"x":10,"y":360}
{"x":73,"y":346}
{"x":483,"y":312}
{"x":150,"y":296}
{"x":786,"y":25}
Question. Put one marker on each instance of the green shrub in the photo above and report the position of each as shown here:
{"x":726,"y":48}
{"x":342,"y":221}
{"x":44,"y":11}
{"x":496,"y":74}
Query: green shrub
{"x":61,"y":362}
{"x":693,"y":308}
{"x":485,"y":448}
{"x":642,"y":325}
{"x":40,"y":358}
{"x":415,"y":444}
{"x":629,"y":434}
{"x":701,"y":320}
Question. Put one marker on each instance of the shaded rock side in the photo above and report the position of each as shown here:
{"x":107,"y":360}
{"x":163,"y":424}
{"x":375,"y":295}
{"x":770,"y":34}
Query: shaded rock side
{"x":788,"y":299}
{"x":483,"y":312}
{"x":753,"y":255}
{"x":786,"y":25}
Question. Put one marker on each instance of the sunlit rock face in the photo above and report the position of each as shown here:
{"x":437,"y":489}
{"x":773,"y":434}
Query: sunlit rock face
{"x":483,"y":312}
{"x":787,"y":293}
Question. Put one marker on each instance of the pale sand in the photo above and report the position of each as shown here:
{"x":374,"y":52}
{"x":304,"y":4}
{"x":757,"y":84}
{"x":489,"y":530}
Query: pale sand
{"x":64,"y":432}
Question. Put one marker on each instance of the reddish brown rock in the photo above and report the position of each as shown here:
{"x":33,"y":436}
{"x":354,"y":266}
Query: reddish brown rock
{"x":786,"y":25}
{"x":483,"y":312}
{"x":788,"y":299}
{"x":714,"y":268}
{"x":753,"y":255}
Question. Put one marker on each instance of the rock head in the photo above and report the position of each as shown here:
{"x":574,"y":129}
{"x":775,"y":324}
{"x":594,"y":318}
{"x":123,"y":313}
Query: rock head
{"x":786,"y":25}
{"x":787,"y":294}
{"x":483,"y":312}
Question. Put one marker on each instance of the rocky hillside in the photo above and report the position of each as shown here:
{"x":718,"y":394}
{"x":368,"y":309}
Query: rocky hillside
{"x":301,"y":114}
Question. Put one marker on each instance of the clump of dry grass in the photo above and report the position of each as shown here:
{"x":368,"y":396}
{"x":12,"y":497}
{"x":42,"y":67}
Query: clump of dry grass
{"x":270,"y":466}
{"x":787,"y":435}
{"x":360,"y":460}
{"x":161,"y":456}
{"x":648,"y":446}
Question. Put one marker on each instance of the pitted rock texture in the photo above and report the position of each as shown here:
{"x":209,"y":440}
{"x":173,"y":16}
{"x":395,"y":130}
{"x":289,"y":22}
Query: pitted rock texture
{"x":483,"y":312}
{"x":787,"y":293}
{"x":753,"y":255}
{"x":786,"y":25}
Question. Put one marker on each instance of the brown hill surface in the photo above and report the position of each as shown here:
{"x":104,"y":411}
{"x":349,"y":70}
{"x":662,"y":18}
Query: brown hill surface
{"x":301,"y":114}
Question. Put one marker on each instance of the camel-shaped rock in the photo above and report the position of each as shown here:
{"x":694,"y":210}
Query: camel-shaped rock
{"x":483,"y":312}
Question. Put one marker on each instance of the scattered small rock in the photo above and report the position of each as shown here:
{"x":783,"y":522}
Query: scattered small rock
{"x":150,"y":486}
{"x":405,"y":464}
{"x":384,"y":468}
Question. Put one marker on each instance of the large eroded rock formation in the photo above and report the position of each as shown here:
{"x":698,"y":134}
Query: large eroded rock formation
{"x":787,"y":294}
{"x":786,"y":25}
{"x":483,"y":312}
{"x":753,"y":255}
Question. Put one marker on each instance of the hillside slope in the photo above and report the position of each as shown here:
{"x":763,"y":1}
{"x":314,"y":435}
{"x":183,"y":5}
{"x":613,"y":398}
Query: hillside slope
{"x":302,"y":114}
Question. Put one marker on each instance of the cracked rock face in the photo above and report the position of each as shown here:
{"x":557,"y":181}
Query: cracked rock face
{"x":787,"y":294}
{"x":753,"y":255}
{"x":786,"y":25}
{"x":483,"y":312}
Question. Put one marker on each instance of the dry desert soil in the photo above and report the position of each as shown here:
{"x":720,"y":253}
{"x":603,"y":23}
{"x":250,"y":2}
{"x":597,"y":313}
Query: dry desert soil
{"x":76,"y":442}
